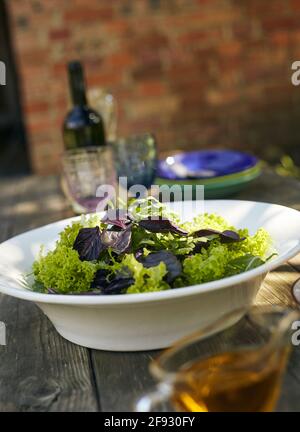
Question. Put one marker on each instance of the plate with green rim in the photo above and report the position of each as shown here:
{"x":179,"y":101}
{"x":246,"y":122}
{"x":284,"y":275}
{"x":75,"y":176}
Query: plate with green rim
{"x":220,"y":187}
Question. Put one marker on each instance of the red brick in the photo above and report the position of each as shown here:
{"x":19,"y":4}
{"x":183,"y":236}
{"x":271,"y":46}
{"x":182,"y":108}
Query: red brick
{"x":152,"y":88}
{"x":295,"y":5}
{"x":215,"y":97}
{"x":180,"y":20}
{"x":85,"y":14}
{"x":35,"y":57}
{"x":197,"y":85}
{"x":150,"y":40}
{"x":230,"y":49}
{"x":150,"y":124}
{"x":118,"y":27}
{"x":119,"y":60}
{"x":151,"y":68}
{"x":198,"y":36}
{"x":59,"y":68}
{"x":281,"y":38}
{"x":59,"y":34}
{"x":92,"y":64}
{"x":183,"y":73}
{"x":197,"y":73}
{"x":260,"y":8}
{"x":278,"y":23}
{"x":40,"y":123}
{"x":107,"y":79}
{"x":36,"y":107}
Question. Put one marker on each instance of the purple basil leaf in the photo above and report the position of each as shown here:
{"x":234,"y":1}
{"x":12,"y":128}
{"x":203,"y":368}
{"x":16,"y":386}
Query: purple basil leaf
{"x":100,"y":279}
{"x":161,"y":226}
{"x":205,"y":232}
{"x":117,"y":217}
{"x":226,"y":236}
{"x":229,"y":236}
{"x":199,"y":245}
{"x":88,"y":244}
{"x":118,"y":241}
{"x":118,"y":286}
{"x":173,"y":265}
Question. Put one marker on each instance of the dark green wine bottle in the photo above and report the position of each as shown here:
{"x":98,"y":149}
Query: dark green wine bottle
{"x":83,"y":126}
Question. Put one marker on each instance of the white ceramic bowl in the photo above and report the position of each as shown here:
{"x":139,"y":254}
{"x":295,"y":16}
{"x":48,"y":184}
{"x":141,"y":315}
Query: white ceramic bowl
{"x":147,"y":321}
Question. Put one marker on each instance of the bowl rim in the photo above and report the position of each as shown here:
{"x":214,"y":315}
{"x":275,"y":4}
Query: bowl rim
{"x":149,"y":297}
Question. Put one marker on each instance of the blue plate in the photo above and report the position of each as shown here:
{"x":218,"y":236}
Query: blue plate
{"x":204,"y":164}
{"x":218,"y":187}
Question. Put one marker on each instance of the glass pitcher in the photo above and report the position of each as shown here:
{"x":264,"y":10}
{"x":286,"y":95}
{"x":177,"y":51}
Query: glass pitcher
{"x":237,"y":369}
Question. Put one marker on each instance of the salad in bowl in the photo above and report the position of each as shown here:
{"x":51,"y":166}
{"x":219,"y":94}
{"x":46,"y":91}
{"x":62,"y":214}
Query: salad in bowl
{"x":146,"y":249}
{"x":134,"y":279}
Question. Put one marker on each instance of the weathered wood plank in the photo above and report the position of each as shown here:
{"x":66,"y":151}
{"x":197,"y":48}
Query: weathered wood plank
{"x":39,"y":370}
{"x":43,"y":372}
{"x":29,"y":202}
{"x":276,"y":288}
{"x":270,"y":187}
{"x":121,"y":378}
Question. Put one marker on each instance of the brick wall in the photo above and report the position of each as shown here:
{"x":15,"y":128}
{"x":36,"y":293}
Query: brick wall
{"x":198,"y":73}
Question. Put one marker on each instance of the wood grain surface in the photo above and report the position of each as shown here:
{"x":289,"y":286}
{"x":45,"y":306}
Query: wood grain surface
{"x":40,"y":371}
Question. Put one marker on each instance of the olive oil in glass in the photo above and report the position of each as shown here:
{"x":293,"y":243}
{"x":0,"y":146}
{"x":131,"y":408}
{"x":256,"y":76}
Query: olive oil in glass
{"x":221,"y":383}
{"x":235,"y":364}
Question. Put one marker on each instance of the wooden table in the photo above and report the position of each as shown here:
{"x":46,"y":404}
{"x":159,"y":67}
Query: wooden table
{"x":40,"y":371}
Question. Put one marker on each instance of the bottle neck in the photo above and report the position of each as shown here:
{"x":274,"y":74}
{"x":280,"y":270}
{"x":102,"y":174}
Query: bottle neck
{"x":77,"y":84}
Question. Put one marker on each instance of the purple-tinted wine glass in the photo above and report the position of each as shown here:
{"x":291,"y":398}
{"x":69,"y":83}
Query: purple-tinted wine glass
{"x":84,"y":171}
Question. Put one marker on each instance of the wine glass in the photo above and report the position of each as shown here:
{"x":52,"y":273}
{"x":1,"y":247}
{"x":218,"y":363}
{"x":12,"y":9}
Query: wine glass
{"x":136,"y":159}
{"x":84,"y":171}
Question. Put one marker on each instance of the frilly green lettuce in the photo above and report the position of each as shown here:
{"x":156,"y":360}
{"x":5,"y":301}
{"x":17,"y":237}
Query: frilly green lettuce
{"x":213,"y":264}
{"x":63,"y":271}
{"x":146,"y":279}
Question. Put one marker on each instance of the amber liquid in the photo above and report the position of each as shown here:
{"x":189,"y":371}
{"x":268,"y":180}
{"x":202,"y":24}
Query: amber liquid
{"x":226,"y":383}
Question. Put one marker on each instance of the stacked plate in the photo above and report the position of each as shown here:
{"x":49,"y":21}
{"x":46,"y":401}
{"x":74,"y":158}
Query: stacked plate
{"x":222,"y":172}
